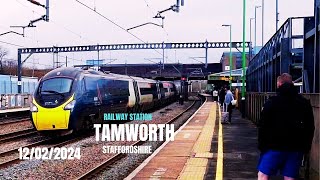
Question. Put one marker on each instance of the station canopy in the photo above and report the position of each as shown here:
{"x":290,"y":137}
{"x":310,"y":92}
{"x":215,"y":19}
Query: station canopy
{"x":224,"y":76}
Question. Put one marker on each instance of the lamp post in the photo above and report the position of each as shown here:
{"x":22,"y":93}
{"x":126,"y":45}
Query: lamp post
{"x":251,"y":28}
{"x":251,"y":37}
{"x":277,"y":15}
{"x":243,"y":98}
{"x":230,"y":54}
{"x":255,"y":27}
{"x":262,"y":31}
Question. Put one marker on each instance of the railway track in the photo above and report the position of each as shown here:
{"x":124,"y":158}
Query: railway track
{"x":14,"y":151}
{"x":92,"y":173}
{"x":18,"y":134}
{"x":13,"y":120}
{"x":41,"y":142}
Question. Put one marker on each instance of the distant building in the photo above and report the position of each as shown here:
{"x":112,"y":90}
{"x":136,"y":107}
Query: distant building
{"x":236,"y":60}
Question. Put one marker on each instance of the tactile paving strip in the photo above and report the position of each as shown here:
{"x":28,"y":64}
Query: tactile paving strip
{"x":187,"y":156}
{"x":196,"y":166}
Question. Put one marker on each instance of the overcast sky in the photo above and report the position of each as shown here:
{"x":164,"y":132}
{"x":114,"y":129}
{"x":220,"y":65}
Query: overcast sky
{"x":199,"y":20}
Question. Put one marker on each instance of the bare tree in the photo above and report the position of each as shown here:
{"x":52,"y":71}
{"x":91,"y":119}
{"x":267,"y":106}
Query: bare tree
{"x":3,"y":53}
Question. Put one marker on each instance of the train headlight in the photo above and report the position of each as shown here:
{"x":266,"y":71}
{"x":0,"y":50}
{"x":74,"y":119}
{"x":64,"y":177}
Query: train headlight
{"x":33,"y":108}
{"x":70,"y":105}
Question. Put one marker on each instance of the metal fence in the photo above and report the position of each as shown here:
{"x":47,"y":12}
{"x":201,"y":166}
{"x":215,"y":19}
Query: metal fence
{"x":9,"y":101}
{"x":11,"y":87}
{"x":292,"y":49}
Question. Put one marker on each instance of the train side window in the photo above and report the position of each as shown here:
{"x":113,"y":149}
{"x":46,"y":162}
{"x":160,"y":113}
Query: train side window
{"x":91,"y":86}
{"x":121,"y":88}
{"x":82,"y":86}
{"x":162,"y":89}
{"x":154,"y":89}
{"x":103,"y":84}
{"x":145,"y":91}
{"x":109,"y":88}
{"x":149,"y":90}
{"x":114,"y":88}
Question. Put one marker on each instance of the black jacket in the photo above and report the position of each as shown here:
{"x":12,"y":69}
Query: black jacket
{"x":286,"y":122}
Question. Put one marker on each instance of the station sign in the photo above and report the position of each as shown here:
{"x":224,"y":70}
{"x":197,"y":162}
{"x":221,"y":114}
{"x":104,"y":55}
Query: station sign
{"x":238,"y":84}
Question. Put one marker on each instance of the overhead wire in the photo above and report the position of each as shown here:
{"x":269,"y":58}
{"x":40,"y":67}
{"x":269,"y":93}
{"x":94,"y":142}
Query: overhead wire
{"x":67,"y":29}
{"x":114,"y":23}
{"x":58,"y":24}
{"x":153,"y":12}
{"x":79,"y":35}
{"x":164,"y":29}
{"x":111,"y":21}
{"x":20,"y":46}
{"x":12,"y":44}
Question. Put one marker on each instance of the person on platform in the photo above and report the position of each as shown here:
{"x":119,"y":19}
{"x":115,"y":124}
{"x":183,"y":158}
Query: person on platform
{"x":227,"y":101}
{"x":215,"y":95}
{"x":222,"y":95}
{"x":285,"y":131}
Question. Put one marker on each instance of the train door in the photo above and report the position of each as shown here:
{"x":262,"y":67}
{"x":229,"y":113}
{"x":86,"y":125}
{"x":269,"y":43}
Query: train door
{"x":136,"y":91}
{"x":158,"y":91}
{"x":162,"y":92}
{"x":120,"y":95}
{"x":92,"y":100}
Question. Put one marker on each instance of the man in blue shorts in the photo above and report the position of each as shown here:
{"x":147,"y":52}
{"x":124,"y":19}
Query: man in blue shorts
{"x":285,"y":131}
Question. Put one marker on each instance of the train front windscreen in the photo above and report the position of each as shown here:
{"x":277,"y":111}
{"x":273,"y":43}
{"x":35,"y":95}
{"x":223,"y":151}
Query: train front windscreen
{"x":53,"y":92}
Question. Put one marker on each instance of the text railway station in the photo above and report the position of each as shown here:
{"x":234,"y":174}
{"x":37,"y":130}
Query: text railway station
{"x":226,"y":120}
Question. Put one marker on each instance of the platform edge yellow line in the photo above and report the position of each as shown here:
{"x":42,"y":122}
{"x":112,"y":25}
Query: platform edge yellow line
{"x":219,"y":168}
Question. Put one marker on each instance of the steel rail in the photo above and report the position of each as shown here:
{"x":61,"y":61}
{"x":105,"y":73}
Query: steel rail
{"x":17,"y":134}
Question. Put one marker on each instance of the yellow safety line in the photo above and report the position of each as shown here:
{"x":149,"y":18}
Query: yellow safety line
{"x":196,"y":166}
{"x":219,"y":170}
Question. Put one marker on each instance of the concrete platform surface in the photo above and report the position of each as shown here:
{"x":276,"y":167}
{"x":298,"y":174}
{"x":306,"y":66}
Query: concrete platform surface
{"x":207,"y":149}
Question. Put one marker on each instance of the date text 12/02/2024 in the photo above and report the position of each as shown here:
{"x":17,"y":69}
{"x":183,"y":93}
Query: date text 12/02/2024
{"x":127,"y":116}
{"x":49,"y":153}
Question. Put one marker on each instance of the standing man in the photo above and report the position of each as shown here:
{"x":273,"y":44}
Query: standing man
{"x":227,"y":101}
{"x":285,"y":131}
{"x":215,"y":95}
{"x":222,"y":95}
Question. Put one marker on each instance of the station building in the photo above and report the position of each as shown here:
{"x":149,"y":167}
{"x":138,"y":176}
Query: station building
{"x":236,"y":60}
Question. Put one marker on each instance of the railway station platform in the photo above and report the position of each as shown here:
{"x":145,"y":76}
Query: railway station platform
{"x":13,"y":110}
{"x":203,"y":148}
